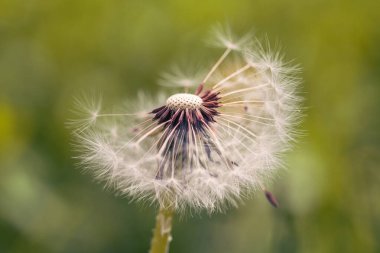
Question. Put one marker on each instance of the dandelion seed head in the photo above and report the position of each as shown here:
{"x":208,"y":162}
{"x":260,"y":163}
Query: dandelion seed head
{"x":207,"y":147}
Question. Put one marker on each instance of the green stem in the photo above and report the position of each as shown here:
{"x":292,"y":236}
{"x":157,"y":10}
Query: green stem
{"x":162,"y":232}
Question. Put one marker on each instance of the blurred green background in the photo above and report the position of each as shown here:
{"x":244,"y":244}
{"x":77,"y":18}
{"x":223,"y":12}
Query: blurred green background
{"x":53,"y":50}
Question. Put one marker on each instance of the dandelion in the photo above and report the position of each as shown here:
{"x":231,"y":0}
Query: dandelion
{"x":205,"y":148}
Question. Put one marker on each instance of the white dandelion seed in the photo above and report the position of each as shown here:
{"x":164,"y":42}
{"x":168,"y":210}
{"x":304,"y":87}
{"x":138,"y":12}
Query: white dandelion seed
{"x":179,"y":77}
{"x":204,"y":149}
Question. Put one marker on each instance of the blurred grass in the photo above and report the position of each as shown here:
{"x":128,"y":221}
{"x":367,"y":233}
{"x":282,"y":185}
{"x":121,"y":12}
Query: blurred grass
{"x":52,"y":50}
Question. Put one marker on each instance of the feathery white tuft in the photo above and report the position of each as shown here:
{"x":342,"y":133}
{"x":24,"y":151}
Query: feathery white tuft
{"x":181,"y":77}
{"x":201,"y":150}
{"x":223,"y":37}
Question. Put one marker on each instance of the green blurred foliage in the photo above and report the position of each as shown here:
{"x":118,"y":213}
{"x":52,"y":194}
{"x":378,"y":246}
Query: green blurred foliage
{"x":53,"y":50}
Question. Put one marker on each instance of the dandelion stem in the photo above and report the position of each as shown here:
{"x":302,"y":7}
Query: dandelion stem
{"x":162,"y":232}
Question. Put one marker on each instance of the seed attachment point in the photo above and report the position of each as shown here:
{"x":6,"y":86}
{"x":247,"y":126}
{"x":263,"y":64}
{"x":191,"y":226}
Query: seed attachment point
{"x":183,"y":101}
